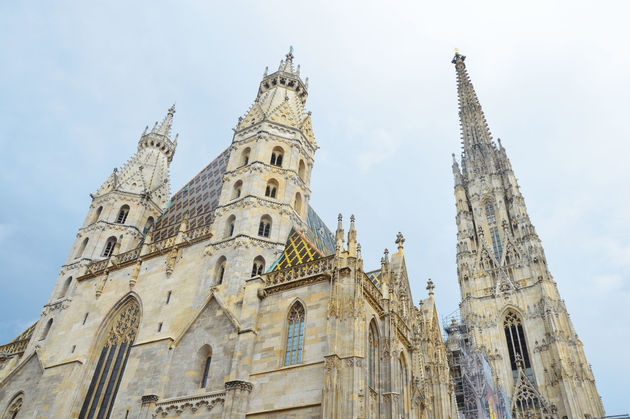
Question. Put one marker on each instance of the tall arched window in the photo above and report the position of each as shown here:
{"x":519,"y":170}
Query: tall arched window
{"x":236,"y":192}
{"x":118,"y":339}
{"x":97,"y":214}
{"x":245,"y":156}
{"x":491,"y":218}
{"x":148,"y":224}
{"x":372,"y":356}
{"x":264,"y":227}
{"x":276,"y":156}
{"x":258,"y":267}
{"x":205,"y":358}
{"x":66,"y":286}
{"x":295,"y":335}
{"x":515,"y":337}
{"x":122,"y":214}
{"x":297,"y":203}
{"x":221,"y":266}
{"x":82,"y":248}
{"x":109,"y":247}
{"x":402,"y":368}
{"x":14,"y":406}
{"x":229,"y":227}
{"x":302,"y":171}
{"x":272,"y":188}
{"x":46,"y":329}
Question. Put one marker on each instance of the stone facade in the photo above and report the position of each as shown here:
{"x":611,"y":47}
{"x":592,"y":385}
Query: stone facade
{"x":508,"y":294}
{"x":189,"y":308}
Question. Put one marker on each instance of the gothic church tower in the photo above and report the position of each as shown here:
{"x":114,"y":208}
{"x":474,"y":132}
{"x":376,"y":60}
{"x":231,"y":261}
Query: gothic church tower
{"x":509,"y":299}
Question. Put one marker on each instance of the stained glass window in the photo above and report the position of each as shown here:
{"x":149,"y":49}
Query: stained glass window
{"x":295,"y":335}
{"x":111,"y":363}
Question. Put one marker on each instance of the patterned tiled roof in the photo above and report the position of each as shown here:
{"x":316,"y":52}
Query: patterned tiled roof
{"x":375,"y":277}
{"x":318,"y":234}
{"x":195,"y":201}
{"x":297,"y":250}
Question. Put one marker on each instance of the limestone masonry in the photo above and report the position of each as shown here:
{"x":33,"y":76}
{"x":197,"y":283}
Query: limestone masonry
{"x":232,"y":298}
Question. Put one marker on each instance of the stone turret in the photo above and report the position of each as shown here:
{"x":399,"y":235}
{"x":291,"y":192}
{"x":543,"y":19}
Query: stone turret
{"x":266,"y":187}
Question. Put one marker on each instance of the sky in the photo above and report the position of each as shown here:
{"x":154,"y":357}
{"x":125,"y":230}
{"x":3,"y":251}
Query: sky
{"x":79,"y":81}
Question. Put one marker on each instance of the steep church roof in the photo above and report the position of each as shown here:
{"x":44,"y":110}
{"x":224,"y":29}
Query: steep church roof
{"x":298,"y":250}
{"x":195,"y":201}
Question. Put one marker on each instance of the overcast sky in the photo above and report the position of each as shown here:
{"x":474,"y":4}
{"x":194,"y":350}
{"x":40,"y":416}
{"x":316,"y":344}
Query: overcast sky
{"x":79,"y":82}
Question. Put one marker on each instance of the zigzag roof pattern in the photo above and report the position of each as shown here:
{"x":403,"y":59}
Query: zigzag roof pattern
{"x":195,"y":201}
{"x":298,"y":250}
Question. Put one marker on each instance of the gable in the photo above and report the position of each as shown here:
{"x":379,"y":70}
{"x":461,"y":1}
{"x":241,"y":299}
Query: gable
{"x":297,"y":250}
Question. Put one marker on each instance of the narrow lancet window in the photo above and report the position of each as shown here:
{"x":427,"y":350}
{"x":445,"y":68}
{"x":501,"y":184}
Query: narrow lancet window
{"x":491,"y":218}
{"x":515,"y":337}
{"x":122,"y":214}
{"x":295,"y":335}
{"x":372,"y":355}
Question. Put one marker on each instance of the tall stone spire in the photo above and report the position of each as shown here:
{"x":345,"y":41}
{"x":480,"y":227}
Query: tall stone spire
{"x":167,"y":122}
{"x":476,"y":137}
{"x":503,"y":276}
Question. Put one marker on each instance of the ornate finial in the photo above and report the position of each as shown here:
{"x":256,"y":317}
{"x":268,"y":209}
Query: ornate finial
{"x":386,"y":253}
{"x":400,"y":240}
{"x":430,"y":286}
{"x":352,"y":218}
{"x":165,"y":126}
{"x":339,"y":217}
{"x":458,"y":57}
{"x":291,"y":49}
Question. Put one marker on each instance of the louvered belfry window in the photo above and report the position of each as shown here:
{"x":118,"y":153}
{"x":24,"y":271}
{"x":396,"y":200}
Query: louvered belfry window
{"x":110,"y":367}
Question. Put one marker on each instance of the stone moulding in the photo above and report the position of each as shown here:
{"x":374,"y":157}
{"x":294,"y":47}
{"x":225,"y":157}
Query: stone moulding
{"x":147,"y":251}
{"x":373,"y":294}
{"x":295,"y":276}
{"x":195,"y":402}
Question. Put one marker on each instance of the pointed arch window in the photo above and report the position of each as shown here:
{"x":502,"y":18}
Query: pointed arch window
{"x":517,"y":346}
{"x":258,"y":267}
{"x":302,"y":170}
{"x":295,"y":335}
{"x":372,"y":355}
{"x":122,"y":214}
{"x":403,"y":386}
{"x":297,"y":203}
{"x":245,"y":156}
{"x":109,"y":247}
{"x":205,"y":354}
{"x":66,"y":286}
{"x":272,"y":188}
{"x":148,"y":225}
{"x":97,"y":214}
{"x":120,"y":335}
{"x":491,"y":218}
{"x":276,"y":156}
{"x":15,"y":405}
{"x":46,"y":329}
{"x":221,"y":266}
{"x":82,"y":248}
{"x":236,"y":193}
{"x":264,"y":227}
{"x":229,"y":228}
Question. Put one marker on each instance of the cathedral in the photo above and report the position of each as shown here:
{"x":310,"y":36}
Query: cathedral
{"x":232,"y":298}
